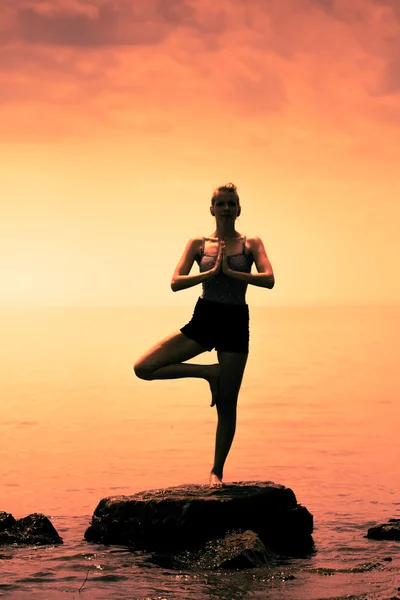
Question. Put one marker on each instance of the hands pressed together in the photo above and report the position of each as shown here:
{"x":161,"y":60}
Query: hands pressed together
{"x":221,"y":265}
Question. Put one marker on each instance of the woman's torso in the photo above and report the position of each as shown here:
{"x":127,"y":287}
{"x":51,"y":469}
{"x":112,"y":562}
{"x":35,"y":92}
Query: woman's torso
{"x":221,"y":287}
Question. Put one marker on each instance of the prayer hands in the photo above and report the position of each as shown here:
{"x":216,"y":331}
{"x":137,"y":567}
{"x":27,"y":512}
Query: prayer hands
{"x":218,"y":263}
{"x":225,"y":266}
{"x":221,"y":264}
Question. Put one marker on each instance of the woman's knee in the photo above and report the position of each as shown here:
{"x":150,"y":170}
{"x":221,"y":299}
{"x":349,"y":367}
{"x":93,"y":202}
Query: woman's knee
{"x":143,"y":371}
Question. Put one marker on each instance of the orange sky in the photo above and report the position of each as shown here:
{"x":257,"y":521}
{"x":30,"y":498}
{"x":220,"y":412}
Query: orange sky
{"x":118,"y":118}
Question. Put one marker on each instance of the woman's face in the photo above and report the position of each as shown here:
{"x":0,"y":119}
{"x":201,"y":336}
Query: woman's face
{"x":226,"y":206}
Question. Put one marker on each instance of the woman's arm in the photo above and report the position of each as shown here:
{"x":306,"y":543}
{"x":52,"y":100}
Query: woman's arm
{"x":181,"y":278}
{"x":265,"y":275}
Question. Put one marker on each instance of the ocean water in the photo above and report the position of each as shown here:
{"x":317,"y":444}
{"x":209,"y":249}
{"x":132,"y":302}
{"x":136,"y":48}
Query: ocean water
{"x":318,"y":412}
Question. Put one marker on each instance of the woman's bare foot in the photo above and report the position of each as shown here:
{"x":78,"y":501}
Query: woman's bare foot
{"x":215,"y":481}
{"x":213,"y":380}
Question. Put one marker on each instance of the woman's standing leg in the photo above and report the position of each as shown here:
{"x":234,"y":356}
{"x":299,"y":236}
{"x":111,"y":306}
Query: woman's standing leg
{"x":232,"y":365}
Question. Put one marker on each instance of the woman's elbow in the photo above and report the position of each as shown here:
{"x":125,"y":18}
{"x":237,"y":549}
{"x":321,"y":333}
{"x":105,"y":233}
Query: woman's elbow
{"x":271,"y":282}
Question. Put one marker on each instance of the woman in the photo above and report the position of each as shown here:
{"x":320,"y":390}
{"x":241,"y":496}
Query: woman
{"x":220,"y":319}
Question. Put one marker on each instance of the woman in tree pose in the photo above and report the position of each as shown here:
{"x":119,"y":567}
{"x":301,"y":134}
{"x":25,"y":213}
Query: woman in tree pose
{"x":220,"y":319}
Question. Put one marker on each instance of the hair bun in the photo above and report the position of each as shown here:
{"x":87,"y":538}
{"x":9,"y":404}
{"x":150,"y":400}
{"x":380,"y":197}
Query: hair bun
{"x":227,"y":187}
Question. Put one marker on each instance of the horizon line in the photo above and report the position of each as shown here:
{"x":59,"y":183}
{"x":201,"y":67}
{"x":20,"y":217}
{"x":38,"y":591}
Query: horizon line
{"x":81,"y":306}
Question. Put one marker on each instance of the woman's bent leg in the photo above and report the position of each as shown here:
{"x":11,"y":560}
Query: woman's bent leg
{"x":232,"y":365}
{"x":165,"y":360}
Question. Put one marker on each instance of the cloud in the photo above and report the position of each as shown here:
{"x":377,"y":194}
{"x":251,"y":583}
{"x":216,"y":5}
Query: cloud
{"x":114,"y":24}
{"x":390,"y":83}
{"x":155,"y":63}
{"x":393,"y":5}
{"x":89,"y":23}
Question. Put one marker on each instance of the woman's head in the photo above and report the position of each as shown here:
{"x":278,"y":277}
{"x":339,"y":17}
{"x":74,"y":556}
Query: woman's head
{"x":225,"y":196}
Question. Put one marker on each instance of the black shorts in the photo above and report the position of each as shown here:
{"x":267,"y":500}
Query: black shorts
{"x":224,"y":327}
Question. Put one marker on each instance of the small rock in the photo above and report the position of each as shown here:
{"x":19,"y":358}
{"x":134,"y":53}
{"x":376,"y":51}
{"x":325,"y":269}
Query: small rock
{"x":386,"y":531}
{"x":35,"y":529}
{"x":6,"y":521}
{"x":236,"y":550}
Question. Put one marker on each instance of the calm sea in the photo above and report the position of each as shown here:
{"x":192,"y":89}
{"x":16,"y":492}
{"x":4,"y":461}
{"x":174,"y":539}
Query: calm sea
{"x":319,"y":412}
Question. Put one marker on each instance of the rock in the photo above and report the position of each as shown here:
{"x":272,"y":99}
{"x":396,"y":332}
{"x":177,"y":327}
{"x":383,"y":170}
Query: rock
{"x":186,"y":518}
{"x":6,"y":521}
{"x":237,"y":550}
{"x":386,"y":531}
{"x":35,"y":529}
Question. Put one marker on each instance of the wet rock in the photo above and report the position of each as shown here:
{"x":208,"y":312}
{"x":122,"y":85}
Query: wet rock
{"x":386,"y":531}
{"x":35,"y":529}
{"x":6,"y":521}
{"x":188,"y":518}
{"x":237,"y":550}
